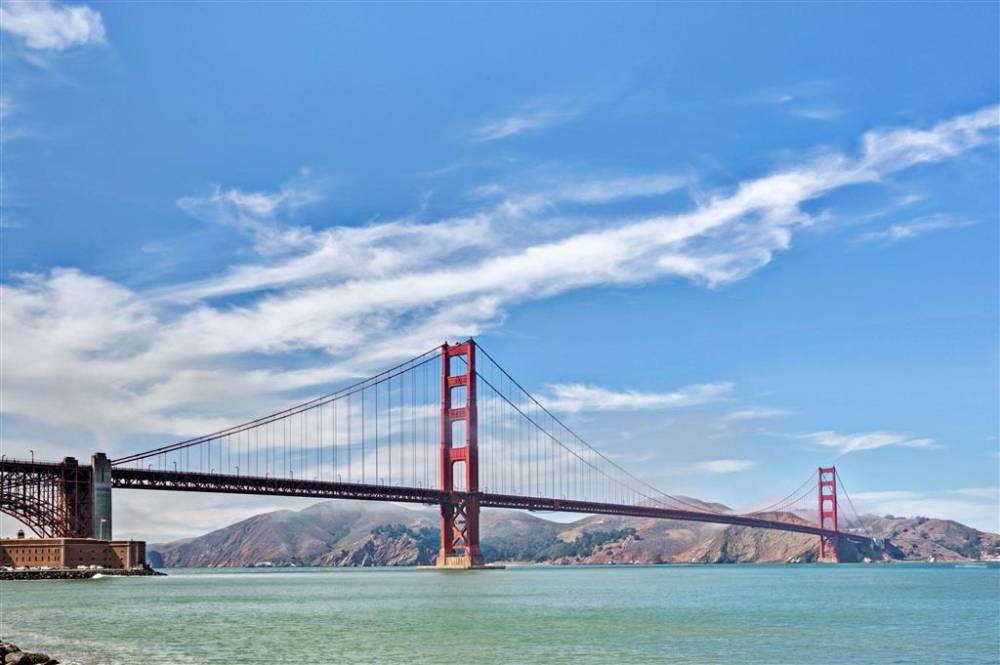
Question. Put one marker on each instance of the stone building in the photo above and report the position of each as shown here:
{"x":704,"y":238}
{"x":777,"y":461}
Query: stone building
{"x":72,"y":553}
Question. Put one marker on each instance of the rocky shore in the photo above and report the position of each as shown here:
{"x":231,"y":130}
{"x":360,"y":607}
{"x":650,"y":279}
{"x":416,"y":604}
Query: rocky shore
{"x":74,"y":574}
{"x":11,"y":654}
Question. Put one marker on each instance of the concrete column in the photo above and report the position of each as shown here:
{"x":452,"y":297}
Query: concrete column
{"x":101,"y":505}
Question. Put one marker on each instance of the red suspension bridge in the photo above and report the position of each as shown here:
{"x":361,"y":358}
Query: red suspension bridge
{"x":450,"y":427}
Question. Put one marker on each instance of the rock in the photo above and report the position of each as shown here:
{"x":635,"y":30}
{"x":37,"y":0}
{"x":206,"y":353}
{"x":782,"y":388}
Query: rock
{"x":18,"y":657}
{"x":36,"y":659}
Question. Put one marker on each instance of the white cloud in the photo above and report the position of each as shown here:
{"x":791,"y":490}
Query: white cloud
{"x":533,"y":115}
{"x":574,"y":397}
{"x":47,"y":25}
{"x":981,"y":492}
{"x":720,"y":466}
{"x":825,"y":113}
{"x":252,"y":211}
{"x":755,"y":413}
{"x":898,"y":232}
{"x":848,"y":443}
{"x":91,"y":361}
{"x":580,"y":190}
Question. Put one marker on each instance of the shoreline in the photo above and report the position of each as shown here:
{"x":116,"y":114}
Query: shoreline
{"x":547,"y":565}
{"x":75,"y":573}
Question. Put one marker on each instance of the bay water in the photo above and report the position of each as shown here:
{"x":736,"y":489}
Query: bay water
{"x":749,"y":614}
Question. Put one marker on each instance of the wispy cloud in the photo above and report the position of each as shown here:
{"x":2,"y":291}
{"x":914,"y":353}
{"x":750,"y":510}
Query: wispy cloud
{"x":534,"y":115}
{"x":254,"y":211}
{"x":980,"y":492}
{"x":574,"y":397}
{"x":825,"y":113}
{"x":812,"y":100}
{"x":756,"y":413}
{"x":721,"y":466}
{"x":49,"y":26}
{"x":906,"y":231}
{"x":848,"y":443}
{"x":576,"y":190}
{"x":317,"y":306}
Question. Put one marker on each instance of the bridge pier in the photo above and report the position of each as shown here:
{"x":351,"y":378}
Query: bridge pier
{"x":101,"y":496}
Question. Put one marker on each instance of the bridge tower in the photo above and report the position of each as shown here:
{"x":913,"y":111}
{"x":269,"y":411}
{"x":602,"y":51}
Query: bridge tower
{"x":460,"y":514}
{"x":828,"y":511}
{"x":100,"y":480}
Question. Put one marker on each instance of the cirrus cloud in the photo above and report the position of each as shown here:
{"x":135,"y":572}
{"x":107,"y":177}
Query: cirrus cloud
{"x":91,"y":357}
{"x":720,"y":466}
{"x":573,"y":397}
{"x":533,"y":115}
{"x":848,"y":443}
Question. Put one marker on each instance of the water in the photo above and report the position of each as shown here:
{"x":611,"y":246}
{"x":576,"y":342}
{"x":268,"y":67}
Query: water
{"x":665,"y":614}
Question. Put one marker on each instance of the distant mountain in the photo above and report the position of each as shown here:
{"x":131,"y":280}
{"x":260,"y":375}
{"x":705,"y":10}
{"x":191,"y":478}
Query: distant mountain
{"x":331,"y":533}
{"x":924,"y":537}
{"x":737,"y":544}
{"x":353,"y":533}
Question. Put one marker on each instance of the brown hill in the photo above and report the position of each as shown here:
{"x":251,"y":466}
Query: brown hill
{"x":737,"y":544}
{"x":650,"y":541}
{"x":324,"y":534}
{"x":350,"y":533}
{"x":923,"y":538}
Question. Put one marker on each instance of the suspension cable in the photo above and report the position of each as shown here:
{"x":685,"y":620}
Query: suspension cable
{"x":774,"y":505}
{"x":582,"y":441}
{"x":857,"y":515}
{"x":405,"y":366}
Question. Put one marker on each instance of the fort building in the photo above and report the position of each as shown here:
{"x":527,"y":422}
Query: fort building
{"x":72,"y":553}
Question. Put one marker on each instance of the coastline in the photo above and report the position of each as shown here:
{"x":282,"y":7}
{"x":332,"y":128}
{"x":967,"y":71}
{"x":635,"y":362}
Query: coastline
{"x":75,"y":573}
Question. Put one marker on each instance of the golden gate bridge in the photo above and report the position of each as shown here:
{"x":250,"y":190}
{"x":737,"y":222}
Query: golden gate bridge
{"x":449,"y":427}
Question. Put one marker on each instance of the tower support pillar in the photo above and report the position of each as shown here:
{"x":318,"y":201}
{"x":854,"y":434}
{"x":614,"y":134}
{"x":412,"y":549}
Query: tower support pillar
{"x":101,"y":497}
{"x":828,"y":512}
{"x":460,"y":514}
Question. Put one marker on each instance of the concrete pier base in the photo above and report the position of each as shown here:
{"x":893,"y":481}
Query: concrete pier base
{"x":456,"y":563}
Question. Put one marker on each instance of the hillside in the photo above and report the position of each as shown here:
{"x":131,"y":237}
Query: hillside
{"x":350,"y":533}
{"x":944,"y":540}
{"x":330,"y":533}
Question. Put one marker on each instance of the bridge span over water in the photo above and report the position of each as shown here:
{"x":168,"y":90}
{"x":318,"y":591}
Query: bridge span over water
{"x":450,"y":427}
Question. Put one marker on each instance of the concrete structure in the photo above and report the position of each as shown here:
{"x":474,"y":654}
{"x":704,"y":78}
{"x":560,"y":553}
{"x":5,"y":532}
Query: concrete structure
{"x":72,"y":552}
{"x":101,"y":484}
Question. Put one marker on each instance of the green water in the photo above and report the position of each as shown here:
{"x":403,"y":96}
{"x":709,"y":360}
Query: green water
{"x":658,"y":614}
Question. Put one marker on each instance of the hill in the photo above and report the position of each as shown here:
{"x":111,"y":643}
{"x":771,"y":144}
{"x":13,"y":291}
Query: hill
{"x":352,"y":533}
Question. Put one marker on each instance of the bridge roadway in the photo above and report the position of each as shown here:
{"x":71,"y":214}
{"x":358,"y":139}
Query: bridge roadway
{"x":149,"y":479}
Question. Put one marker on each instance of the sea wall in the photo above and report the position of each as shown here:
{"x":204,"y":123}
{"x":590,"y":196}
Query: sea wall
{"x":75,"y":574}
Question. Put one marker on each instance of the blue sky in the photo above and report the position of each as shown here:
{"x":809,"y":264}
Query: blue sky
{"x":729,"y":243}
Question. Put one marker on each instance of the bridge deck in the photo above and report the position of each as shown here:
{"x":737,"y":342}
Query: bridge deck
{"x":149,"y":479}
